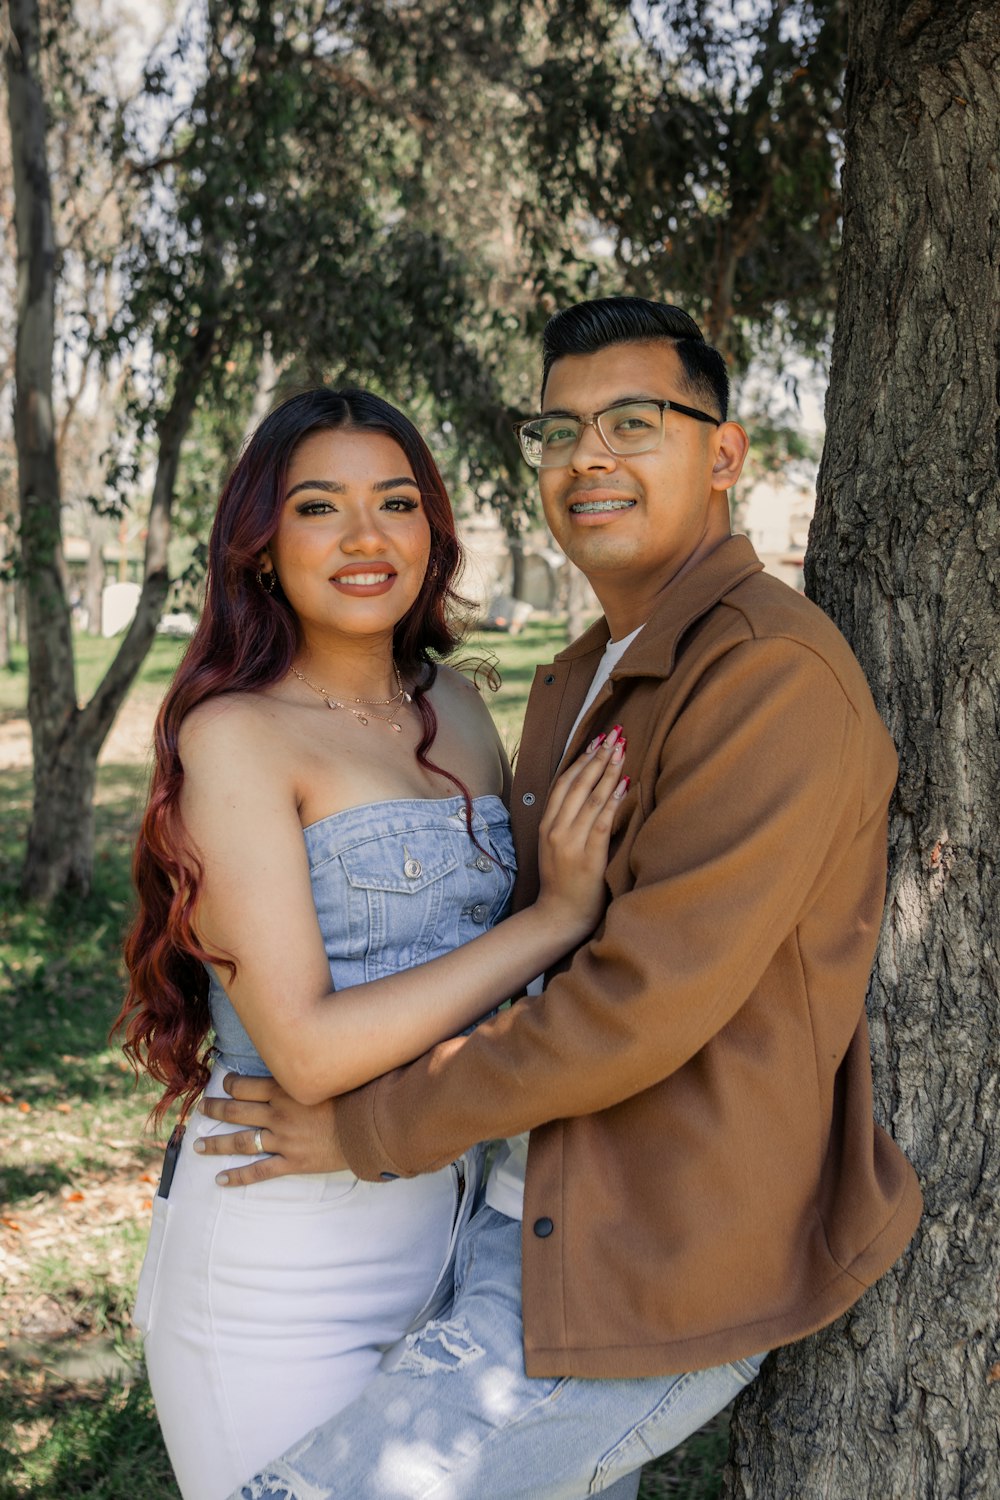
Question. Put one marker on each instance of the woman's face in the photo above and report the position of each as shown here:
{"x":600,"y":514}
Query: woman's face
{"x":353,"y":540}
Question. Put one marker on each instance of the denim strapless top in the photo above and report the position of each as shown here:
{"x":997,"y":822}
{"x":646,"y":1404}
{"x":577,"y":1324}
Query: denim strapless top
{"x":395,"y":884}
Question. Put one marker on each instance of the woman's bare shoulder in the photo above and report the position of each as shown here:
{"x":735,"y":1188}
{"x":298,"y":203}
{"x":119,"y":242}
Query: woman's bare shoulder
{"x":456,"y":695}
{"x":459,"y":701}
{"x":459,"y":684}
{"x":228,"y":723}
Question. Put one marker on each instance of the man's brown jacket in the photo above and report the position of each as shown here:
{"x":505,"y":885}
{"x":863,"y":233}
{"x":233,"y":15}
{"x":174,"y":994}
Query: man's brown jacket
{"x":705,"y":1178}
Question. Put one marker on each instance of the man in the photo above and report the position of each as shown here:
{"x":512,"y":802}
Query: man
{"x":703,"y":1178}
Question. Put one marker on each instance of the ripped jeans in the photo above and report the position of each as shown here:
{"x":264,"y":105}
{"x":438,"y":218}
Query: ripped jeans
{"x":453,"y":1416}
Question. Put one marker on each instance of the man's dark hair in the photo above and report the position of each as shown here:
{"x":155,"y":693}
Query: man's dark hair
{"x":589,"y":327}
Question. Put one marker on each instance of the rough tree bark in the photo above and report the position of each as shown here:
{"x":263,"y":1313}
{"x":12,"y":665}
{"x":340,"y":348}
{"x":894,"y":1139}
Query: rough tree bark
{"x":66,"y":738}
{"x":51,"y":684}
{"x":900,"y":1400}
{"x":6,"y":595}
{"x":60,"y":851}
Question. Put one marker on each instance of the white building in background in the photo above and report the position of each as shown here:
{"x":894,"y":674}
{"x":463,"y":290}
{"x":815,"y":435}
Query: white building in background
{"x":775,"y":513}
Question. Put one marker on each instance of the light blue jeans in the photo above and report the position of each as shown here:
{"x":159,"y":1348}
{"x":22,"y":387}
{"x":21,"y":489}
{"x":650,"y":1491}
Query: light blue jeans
{"x":456,"y":1418}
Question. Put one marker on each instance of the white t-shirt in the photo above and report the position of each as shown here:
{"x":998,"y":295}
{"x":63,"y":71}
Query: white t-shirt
{"x":505,"y":1184}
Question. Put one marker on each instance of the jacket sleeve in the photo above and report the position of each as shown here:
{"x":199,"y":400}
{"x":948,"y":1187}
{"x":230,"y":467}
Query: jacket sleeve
{"x":760,"y":782}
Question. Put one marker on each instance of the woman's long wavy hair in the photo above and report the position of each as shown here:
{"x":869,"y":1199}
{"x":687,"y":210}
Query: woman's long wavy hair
{"x":246,"y":639}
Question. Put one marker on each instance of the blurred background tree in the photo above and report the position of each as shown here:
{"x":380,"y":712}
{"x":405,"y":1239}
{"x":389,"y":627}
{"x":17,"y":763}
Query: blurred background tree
{"x":383,"y":194}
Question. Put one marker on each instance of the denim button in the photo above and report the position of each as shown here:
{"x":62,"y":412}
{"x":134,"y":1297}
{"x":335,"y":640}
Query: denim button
{"x":478,"y":912}
{"x":543,"y":1228}
{"x":550,"y":678}
{"x":528,"y":799}
{"x":484,"y":863}
{"x":412,"y":868}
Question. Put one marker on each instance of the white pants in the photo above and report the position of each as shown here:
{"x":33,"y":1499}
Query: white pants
{"x":266,"y":1309}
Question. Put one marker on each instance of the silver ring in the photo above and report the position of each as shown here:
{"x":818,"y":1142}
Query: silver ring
{"x":258,"y":1141}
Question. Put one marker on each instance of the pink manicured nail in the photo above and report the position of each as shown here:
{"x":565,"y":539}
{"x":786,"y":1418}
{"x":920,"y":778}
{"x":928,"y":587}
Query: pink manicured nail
{"x":618,"y":753}
{"x":622,"y":788}
{"x":595,"y":744}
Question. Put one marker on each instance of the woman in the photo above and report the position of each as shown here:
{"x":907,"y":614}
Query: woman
{"x":308,"y":875}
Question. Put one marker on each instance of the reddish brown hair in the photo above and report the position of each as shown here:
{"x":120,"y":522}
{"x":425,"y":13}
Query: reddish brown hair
{"x":245,"y":640}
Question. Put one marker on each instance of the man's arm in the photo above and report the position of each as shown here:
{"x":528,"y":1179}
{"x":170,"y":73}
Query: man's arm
{"x":760,"y":778}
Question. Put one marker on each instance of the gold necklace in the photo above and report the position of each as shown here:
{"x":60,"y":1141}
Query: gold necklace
{"x":399,"y":697}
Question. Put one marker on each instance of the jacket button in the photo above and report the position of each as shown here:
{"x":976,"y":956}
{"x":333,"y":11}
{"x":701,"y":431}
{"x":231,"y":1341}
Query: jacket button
{"x":528,"y":799}
{"x":550,"y":678}
{"x":389,"y":1176}
{"x":543,"y":1228}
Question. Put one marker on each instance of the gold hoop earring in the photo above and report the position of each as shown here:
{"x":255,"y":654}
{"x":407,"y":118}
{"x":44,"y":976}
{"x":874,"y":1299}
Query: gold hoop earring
{"x":264,"y":587}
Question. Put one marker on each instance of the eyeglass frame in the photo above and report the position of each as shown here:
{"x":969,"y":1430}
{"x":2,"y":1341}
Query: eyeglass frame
{"x":593,"y":421}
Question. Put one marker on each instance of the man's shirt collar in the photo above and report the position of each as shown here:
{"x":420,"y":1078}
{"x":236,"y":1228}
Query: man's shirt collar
{"x":678,"y":607}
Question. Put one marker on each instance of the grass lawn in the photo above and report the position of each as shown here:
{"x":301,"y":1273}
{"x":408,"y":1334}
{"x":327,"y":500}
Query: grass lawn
{"x":78,"y":1171}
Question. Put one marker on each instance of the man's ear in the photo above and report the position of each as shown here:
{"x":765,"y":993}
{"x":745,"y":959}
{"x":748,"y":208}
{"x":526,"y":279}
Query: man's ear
{"x":732,"y":444}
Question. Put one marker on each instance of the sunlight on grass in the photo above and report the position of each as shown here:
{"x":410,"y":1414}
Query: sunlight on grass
{"x":93,"y":655}
{"x":101,"y":1441}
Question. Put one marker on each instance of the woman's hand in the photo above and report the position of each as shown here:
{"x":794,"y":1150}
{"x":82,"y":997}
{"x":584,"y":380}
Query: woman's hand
{"x":574,"y":835}
{"x":297,"y":1137}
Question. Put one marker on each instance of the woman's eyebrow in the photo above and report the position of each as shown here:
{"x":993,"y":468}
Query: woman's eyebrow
{"x":332,"y":487}
{"x":329,"y":486}
{"x":392,"y":484}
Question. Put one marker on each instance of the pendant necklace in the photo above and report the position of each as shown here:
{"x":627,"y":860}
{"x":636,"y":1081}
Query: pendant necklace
{"x":393,"y":704}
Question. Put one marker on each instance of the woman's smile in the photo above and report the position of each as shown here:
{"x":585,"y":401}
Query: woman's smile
{"x":371,"y":580}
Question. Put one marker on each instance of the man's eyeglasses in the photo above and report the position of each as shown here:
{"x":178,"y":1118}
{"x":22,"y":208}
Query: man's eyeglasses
{"x":628,"y":427}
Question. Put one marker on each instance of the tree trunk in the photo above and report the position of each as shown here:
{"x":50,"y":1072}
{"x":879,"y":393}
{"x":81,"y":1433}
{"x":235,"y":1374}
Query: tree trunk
{"x":66,"y":739}
{"x":6,"y":594}
{"x":4,"y":625}
{"x":579,"y":601}
{"x":515,"y":546}
{"x":60,"y":852}
{"x":60,"y":839}
{"x":51,"y":683}
{"x":96,"y":573}
{"x":899,"y":1400}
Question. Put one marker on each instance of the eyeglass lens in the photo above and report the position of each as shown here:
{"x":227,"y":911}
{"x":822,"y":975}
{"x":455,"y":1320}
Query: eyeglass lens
{"x":634,"y":427}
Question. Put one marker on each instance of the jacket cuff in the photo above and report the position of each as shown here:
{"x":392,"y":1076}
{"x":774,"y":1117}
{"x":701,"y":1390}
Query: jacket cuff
{"x":359,"y":1137}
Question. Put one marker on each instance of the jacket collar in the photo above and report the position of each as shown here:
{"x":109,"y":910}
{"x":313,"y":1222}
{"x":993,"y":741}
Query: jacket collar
{"x":678,"y":607}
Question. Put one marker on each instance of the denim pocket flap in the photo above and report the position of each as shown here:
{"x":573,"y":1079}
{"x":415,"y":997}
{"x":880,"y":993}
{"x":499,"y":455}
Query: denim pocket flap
{"x":401,"y":868}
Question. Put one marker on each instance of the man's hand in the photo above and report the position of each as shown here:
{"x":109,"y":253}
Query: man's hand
{"x":298,"y":1137}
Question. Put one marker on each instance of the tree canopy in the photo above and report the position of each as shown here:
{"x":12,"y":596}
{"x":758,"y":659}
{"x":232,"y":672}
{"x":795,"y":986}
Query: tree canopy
{"x":395,"y":195}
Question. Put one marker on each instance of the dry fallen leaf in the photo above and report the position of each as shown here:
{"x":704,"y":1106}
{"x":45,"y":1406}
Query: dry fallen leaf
{"x":6,"y":1098}
{"x":24,"y":1107}
{"x":994,"y":1374}
{"x":74,"y":1198}
{"x":10,"y":1223}
{"x":64,"y":1109}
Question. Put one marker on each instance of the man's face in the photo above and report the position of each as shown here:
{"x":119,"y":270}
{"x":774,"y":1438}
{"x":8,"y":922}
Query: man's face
{"x":637,"y":521}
